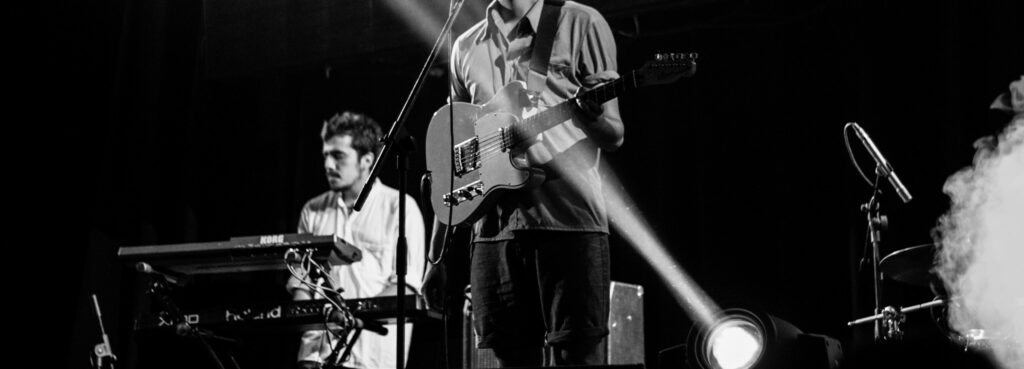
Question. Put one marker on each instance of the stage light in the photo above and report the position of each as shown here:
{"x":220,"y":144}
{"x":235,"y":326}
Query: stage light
{"x":743,"y":339}
{"x":735,"y":345}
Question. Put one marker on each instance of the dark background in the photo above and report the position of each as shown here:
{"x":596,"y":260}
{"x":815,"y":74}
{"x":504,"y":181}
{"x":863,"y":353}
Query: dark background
{"x":169,"y":121}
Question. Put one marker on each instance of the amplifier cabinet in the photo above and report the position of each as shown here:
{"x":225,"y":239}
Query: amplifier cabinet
{"x":624,"y":344}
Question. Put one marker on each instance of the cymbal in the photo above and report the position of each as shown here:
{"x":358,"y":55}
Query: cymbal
{"x":911,"y":265}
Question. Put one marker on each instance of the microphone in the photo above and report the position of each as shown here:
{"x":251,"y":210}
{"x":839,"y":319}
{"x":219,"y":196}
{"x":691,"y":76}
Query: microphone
{"x":345,"y":319}
{"x":177,"y":280}
{"x":882,"y":166}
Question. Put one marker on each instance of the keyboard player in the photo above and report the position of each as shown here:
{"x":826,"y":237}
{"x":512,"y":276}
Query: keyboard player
{"x":350,"y":144}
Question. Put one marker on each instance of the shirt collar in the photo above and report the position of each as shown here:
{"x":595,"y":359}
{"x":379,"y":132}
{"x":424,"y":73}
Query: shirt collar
{"x":338,"y":201}
{"x":495,"y":22}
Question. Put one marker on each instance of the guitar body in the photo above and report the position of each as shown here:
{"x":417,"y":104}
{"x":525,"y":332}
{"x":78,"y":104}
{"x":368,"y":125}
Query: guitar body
{"x":485,"y":167}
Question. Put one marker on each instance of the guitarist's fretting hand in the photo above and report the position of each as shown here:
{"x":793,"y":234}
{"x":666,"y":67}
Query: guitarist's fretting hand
{"x":590,"y":109}
{"x":607,"y":133}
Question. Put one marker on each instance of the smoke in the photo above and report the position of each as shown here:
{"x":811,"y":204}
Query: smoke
{"x":981,"y":245}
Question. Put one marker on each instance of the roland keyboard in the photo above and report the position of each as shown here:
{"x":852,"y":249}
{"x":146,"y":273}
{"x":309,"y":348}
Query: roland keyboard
{"x":301,"y":315}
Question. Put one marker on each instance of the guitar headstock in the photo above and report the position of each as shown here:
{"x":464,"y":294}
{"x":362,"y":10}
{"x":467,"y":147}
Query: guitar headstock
{"x":667,"y":68}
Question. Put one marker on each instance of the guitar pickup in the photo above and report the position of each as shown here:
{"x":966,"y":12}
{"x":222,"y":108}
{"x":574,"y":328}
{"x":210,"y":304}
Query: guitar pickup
{"x":506,"y":138}
{"x":463,"y":194}
{"x":466,"y":156}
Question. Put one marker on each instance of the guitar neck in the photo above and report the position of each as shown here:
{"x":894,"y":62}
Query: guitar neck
{"x":557,"y":114}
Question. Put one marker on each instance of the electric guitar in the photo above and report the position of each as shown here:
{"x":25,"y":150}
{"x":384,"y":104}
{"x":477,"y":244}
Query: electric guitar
{"x":488,"y":157}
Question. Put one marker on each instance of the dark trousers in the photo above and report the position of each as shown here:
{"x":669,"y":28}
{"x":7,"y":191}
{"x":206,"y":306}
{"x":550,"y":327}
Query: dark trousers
{"x":543,"y":287}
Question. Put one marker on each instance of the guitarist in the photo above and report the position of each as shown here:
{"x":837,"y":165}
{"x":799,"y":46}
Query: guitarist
{"x":539,"y":269}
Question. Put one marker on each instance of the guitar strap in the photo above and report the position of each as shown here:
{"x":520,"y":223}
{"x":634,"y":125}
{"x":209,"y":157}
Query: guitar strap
{"x":543,"y":40}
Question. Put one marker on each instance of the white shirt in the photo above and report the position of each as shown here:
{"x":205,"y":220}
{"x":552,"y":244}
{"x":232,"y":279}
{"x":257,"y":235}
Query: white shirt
{"x":374,"y":230}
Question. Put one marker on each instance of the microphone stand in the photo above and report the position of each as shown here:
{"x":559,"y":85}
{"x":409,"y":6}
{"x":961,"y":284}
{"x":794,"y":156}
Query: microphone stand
{"x":877,"y":222}
{"x":404,"y":146}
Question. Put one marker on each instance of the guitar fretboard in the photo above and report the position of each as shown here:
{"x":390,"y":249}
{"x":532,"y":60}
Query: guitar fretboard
{"x":557,"y":114}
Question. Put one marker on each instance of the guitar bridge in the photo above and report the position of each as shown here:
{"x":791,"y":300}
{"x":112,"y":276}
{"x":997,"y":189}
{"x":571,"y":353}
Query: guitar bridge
{"x":463,"y":194}
{"x":467,"y":156}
